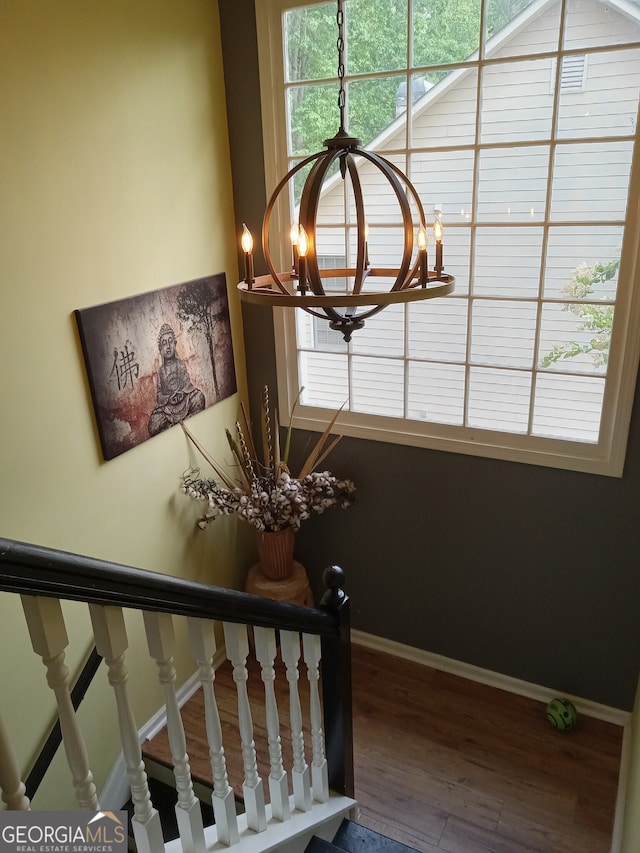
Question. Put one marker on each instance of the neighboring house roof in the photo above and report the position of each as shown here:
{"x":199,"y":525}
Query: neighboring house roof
{"x":627,"y":8}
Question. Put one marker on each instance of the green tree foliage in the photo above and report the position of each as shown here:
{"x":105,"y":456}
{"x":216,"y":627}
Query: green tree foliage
{"x":444,"y":32}
{"x":310,"y":39}
{"x":594,"y":319}
{"x":310,"y":54}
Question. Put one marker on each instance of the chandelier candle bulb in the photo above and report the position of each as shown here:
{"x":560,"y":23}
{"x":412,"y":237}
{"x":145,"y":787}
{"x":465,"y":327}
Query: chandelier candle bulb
{"x":422,"y":255}
{"x":246,"y":241}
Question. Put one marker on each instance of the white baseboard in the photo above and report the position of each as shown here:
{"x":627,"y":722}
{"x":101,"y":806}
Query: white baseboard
{"x":492,"y":679}
{"x":159,"y":719}
{"x":183,"y":694}
{"x":116,"y":789}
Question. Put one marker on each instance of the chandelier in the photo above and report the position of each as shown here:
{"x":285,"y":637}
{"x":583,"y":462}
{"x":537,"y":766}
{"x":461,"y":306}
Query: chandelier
{"x":348,"y":296}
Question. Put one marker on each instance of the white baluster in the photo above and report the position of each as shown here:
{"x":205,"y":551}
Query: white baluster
{"x":235,"y":637}
{"x":265,"y":643}
{"x":111,"y":642}
{"x":203,"y":647}
{"x":161,"y":641}
{"x":290,"y":651}
{"x":319,"y":773}
{"x":11,"y":785}
{"x":49,"y":640}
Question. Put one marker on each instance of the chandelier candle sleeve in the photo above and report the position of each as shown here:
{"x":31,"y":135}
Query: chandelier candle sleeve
{"x":303,"y":246}
{"x":246,"y":242}
{"x":294,"y":236}
{"x":366,"y":246}
{"x":422,"y":255}
{"x":437,"y":233}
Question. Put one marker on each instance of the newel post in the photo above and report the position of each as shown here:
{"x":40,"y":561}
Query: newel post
{"x":336,"y":685}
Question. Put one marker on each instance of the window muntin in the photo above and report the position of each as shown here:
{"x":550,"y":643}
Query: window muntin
{"x":563,"y":206}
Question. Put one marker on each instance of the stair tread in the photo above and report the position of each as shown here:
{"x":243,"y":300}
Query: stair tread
{"x":164,"y":799}
{"x":353,"y":837}
{"x":319,"y":845}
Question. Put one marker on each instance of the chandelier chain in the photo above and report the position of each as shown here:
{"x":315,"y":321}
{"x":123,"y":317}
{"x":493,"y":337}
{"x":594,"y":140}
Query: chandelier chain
{"x":342,"y":98}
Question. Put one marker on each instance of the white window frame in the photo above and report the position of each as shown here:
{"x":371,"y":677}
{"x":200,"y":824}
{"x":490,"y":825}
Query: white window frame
{"x":605,"y":458}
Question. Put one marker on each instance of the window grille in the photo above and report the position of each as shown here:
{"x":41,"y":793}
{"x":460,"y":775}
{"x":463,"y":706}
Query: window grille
{"x":519,"y":362}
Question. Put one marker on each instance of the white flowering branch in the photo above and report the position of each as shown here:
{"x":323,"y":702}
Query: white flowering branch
{"x":266,"y":495}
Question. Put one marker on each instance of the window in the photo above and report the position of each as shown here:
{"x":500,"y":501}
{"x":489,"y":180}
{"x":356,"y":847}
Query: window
{"x":534,"y":356}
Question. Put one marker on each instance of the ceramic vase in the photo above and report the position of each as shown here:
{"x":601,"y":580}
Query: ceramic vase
{"x":275,"y":552}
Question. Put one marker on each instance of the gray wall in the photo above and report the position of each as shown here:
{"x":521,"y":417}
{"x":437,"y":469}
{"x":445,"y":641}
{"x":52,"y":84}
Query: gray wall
{"x":527,"y":571}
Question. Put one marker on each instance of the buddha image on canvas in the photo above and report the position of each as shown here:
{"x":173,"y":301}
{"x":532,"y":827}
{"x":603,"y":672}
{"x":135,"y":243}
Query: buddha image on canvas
{"x":156,"y":359}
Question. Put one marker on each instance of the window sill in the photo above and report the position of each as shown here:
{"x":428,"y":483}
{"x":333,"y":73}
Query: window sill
{"x":530,"y":450}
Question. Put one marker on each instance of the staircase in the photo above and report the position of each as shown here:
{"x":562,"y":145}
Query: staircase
{"x":340,"y":835}
{"x":357,"y":839}
{"x":351,"y":836}
{"x":286,"y":799}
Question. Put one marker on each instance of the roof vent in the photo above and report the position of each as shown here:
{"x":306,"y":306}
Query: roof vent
{"x":419,"y":87}
{"x":574,"y":73}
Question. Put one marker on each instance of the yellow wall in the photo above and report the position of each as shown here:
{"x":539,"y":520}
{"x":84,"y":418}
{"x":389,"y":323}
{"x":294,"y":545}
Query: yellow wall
{"x":114,"y":181}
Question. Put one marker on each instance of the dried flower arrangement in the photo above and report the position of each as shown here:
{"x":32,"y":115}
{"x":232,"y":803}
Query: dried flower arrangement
{"x":264,"y":491}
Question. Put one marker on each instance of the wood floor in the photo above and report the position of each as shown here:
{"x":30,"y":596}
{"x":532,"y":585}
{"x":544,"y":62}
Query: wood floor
{"x":446,"y":764}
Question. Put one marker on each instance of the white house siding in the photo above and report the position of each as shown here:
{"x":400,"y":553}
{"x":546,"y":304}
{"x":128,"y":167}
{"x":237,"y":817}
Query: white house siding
{"x":539,"y":31}
{"x":438,"y":330}
{"x":494,"y":267}
{"x":382,"y":334}
{"x":591,"y":24}
{"x":381,"y":380}
{"x":612,"y":108}
{"x":517,"y":103}
{"x":436,"y":392}
{"x":326,"y":378}
{"x":590,"y":184}
{"x":592,"y":243}
{"x":568,"y":407}
{"x":381,"y":202}
{"x":450,"y":117}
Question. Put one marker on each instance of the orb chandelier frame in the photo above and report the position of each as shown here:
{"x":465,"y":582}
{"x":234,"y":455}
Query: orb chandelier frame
{"x":303,"y":285}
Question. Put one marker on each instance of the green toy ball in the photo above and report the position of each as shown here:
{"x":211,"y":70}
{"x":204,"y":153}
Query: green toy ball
{"x":562,"y":714}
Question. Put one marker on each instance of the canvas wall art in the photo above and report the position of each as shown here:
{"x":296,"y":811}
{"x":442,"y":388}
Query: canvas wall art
{"x":155,"y":359}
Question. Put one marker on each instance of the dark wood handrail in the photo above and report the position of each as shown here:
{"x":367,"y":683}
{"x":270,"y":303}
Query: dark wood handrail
{"x":36,"y":570}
